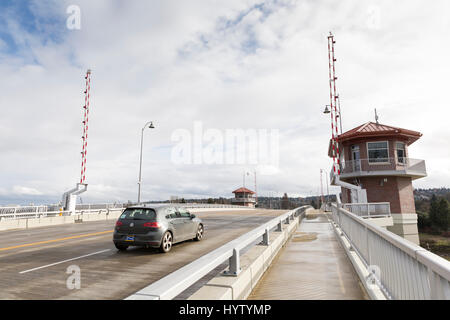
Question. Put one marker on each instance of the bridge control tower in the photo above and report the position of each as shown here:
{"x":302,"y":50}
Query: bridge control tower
{"x":375,"y":157}
{"x":244,"y":197}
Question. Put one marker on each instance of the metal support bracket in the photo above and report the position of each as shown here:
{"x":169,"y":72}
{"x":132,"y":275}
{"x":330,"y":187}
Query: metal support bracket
{"x":266,"y":238}
{"x":280,"y":226}
{"x":234,"y":264}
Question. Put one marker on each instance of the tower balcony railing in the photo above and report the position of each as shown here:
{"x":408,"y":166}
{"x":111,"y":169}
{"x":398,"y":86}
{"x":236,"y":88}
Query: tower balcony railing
{"x":389,"y":166}
{"x":369,"y":210}
{"x":249,"y":199}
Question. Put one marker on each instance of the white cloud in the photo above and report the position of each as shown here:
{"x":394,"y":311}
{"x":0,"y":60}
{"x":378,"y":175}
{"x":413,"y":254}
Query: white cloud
{"x":25,"y":191}
{"x":229,"y":64}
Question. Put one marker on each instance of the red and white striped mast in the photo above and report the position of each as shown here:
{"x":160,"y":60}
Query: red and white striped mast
{"x":335,"y":113}
{"x":69,"y":199}
{"x":87,"y":97}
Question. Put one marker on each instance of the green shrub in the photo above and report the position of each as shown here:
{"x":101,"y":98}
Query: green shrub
{"x":423,"y":221}
{"x":439,"y":215}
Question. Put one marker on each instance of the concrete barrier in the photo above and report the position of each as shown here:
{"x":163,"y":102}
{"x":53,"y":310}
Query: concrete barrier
{"x":253,"y":265}
{"x":93,"y":217}
{"x":113,"y":215}
{"x":12,"y":224}
{"x":48,"y":221}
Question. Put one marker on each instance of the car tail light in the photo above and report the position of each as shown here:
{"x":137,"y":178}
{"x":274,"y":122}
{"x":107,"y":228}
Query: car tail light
{"x":151,"y":225}
{"x":118,"y":224}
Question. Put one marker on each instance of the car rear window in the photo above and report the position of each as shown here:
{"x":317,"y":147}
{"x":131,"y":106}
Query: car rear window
{"x":138,"y":214}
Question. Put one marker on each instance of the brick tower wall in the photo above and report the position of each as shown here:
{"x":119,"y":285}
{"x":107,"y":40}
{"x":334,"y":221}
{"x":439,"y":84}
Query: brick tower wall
{"x":397,"y":190}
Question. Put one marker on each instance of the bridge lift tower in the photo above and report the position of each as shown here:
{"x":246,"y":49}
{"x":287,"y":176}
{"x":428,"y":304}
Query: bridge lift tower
{"x":69,"y":198}
{"x":359,"y":195}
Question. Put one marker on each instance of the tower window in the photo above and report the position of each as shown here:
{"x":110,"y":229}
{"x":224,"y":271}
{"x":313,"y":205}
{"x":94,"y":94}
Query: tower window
{"x":401,"y":152}
{"x":378,"y":152}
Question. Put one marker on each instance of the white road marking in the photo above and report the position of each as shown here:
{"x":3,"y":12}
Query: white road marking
{"x":54,"y":264}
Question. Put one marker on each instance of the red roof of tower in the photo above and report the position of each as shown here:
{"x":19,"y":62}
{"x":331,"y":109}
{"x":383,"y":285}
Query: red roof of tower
{"x":371,"y":129}
{"x":242,"y":190}
{"x":377,"y":130}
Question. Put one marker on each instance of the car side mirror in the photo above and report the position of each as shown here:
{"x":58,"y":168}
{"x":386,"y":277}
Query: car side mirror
{"x":192,"y":216}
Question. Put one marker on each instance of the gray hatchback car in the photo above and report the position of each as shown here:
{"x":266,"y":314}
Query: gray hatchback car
{"x":157,"y":226}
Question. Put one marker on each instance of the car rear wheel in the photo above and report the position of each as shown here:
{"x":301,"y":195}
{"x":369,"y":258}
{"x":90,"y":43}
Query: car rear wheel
{"x":166,"y":243}
{"x":121,"y":247}
{"x":200,"y":231}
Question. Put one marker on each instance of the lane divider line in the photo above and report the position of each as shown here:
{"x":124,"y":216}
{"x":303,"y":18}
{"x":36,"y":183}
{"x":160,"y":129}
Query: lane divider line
{"x":56,"y":263}
{"x":56,"y":240}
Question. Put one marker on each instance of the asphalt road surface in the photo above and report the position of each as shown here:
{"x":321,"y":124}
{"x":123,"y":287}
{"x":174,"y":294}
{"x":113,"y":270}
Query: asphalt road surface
{"x":34,"y":263}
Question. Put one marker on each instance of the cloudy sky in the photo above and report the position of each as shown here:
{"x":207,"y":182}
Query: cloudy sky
{"x":226,"y":65}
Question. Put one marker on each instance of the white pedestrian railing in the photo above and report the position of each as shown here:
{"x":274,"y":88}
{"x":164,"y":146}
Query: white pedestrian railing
{"x":207,"y":205}
{"x":24,"y":209}
{"x":50,"y":209}
{"x":369,"y":210}
{"x":406,"y":271}
{"x":99,"y":206}
{"x":30,"y":212}
{"x":175,"y":283}
{"x":248,"y":199}
{"x":32,"y":215}
{"x":37,"y":215}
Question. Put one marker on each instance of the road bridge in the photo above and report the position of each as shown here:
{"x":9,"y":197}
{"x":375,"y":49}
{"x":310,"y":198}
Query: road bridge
{"x":34,"y":261}
{"x":246,"y":253}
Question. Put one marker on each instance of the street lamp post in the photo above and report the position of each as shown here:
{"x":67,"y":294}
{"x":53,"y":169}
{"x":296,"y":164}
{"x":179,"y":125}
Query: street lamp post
{"x":150,"y":126}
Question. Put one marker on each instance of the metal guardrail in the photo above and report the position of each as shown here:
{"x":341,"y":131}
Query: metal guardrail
{"x":407,"y":271}
{"x":175,"y":283}
{"x":369,"y":210}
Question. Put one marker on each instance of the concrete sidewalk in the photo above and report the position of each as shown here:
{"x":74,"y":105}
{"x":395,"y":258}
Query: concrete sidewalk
{"x":312,"y":266}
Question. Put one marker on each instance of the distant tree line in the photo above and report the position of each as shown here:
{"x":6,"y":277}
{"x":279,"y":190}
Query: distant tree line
{"x":434,"y":215}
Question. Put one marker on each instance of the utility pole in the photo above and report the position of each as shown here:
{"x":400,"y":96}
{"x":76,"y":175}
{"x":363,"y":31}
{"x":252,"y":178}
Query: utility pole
{"x":270,"y":201}
{"x":256,"y":192}
{"x":150,"y":126}
{"x":321,"y":188}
